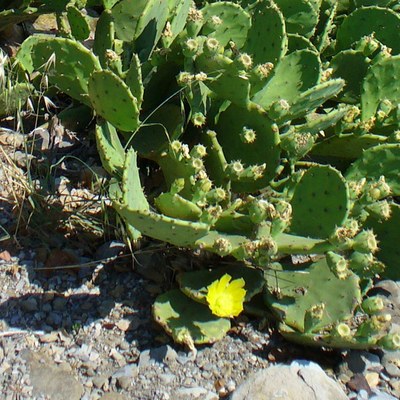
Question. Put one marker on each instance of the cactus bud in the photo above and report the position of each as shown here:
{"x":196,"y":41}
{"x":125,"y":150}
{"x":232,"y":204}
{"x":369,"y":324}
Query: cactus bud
{"x":216,"y":20}
{"x":365,"y":242}
{"x":262,"y":71}
{"x":184,"y":78}
{"x":222,"y":246}
{"x":198,"y":119}
{"x":372,"y":305}
{"x":368,"y":45}
{"x":313,"y":316}
{"x":247,"y":135}
{"x":235,"y":168}
{"x":212,"y":46}
{"x":190,"y":47}
{"x":342,"y":330}
{"x":197,"y":164}
{"x":245,"y":61}
{"x":390,"y":341}
{"x":380,"y":209}
{"x":338,"y":264}
{"x":278,"y":109}
{"x":198,"y":151}
{"x":177,"y":185}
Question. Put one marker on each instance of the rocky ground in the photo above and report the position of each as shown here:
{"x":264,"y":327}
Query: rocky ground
{"x":88,"y":333}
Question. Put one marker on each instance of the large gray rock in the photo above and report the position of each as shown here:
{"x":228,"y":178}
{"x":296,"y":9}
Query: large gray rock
{"x":54,"y":381}
{"x":298,"y":381}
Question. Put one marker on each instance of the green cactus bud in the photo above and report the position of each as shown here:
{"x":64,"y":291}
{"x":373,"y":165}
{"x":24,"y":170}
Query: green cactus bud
{"x":361,"y":262}
{"x":211,"y":46}
{"x":313,"y":316}
{"x":376,"y":324}
{"x":197,"y":164}
{"x":177,"y":185}
{"x":368,"y":45}
{"x":372,"y":305}
{"x":352,"y":113}
{"x":184,"y":78}
{"x":338,"y":264}
{"x":245,"y":251}
{"x":365,"y":242}
{"x":245,"y":61}
{"x":262,"y":71}
{"x":211,"y":214}
{"x":279,"y":109}
{"x":200,"y":77}
{"x":198,"y":119}
{"x":390,"y":341}
{"x":342,"y":330}
{"x":217,"y":195}
{"x":222,"y":246}
{"x":198,"y":151}
{"x":267,"y":247}
{"x":378,"y":190}
{"x":380,"y":209}
{"x":190,"y":47}
{"x":234,"y":168}
{"x":260,"y":210}
{"x":248,"y":135}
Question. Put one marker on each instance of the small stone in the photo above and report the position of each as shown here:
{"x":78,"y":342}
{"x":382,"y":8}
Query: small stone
{"x":124,"y":382}
{"x":391,"y":363}
{"x":167,"y":379}
{"x":123,"y":325}
{"x":99,"y":381}
{"x":372,"y":379}
{"x":49,"y":337}
{"x":112,"y":396}
{"x":362,"y":361}
{"x":192,"y":393}
{"x":395,"y":385}
{"x":129,"y":370}
{"x":30,"y":304}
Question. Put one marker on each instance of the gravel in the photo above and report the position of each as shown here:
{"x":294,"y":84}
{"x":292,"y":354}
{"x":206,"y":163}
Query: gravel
{"x":72,"y":335}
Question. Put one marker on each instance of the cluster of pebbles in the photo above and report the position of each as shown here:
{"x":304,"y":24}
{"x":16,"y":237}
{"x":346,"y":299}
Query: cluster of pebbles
{"x":90,"y":335}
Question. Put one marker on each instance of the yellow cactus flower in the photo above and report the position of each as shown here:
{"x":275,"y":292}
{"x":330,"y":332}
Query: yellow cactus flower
{"x":225,"y":298}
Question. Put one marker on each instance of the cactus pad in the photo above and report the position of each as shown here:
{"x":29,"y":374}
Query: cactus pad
{"x":266,"y":39}
{"x":320,"y":202}
{"x":73,"y":64}
{"x":188,"y":321}
{"x":378,"y":85}
{"x":388,"y":235}
{"x":294,"y":74}
{"x":378,"y":161}
{"x":110,"y":149}
{"x":292,"y":294}
{"x":264,"y":149}
{"x":226,"y":21}
{"x":383,"y":22}
{"x":113,"y":100}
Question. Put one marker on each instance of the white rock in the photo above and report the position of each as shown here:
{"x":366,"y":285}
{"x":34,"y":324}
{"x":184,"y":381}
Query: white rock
{"x":298,"y":381}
